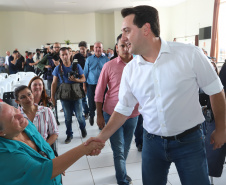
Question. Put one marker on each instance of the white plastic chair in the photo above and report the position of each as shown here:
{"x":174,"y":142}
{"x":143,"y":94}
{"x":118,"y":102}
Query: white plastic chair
{"x":1,"y":92}
{"x":21,"y":74}
{"x":4,"y":75}
{"x":30,"y":73}
{"x":5,"y":86}
{"x":24,"y":82}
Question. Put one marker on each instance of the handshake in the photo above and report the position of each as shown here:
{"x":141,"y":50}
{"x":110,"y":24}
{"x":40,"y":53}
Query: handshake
{"x":94,"y":146}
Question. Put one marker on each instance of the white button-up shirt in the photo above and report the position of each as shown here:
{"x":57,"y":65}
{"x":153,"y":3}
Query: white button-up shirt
{"x":7,"y":60}
{"x":167,"y":90}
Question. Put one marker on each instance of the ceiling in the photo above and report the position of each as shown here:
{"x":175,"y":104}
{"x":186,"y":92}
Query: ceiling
{"x":78,"y":6}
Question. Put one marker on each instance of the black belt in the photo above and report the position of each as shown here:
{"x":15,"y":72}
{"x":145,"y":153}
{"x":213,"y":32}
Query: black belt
{"x":186,"y":132}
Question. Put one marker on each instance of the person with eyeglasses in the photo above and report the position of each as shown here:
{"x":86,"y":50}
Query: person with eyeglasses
{"x":44,"y":63}
{"x":26,"y":158}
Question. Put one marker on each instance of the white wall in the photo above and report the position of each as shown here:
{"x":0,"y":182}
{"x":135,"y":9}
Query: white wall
{"x":118,"y":23}
{"x":105,"y":29}
{"x":188,"y":17}
{"x":27,"y":31}
{"x":60,"y":27}
{"x":22,"y":30}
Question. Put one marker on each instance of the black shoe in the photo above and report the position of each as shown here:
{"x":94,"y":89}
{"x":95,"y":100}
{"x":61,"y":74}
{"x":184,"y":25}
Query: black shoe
{"x":139,"y":147}
{"x":84,"y":133}
{"x":91,"y":121}
{"x":58,"y":123}
{"x":86,"y":116}
{"x":128,"y":179}
{"x":68,"y":139}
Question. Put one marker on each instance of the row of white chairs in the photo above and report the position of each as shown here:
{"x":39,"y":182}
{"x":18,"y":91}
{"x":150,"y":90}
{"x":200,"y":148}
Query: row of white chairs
{"x":10,"y":82}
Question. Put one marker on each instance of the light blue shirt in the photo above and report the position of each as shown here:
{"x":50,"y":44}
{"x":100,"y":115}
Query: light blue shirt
{"x":93,"y":67}
{"x":22,"y":165}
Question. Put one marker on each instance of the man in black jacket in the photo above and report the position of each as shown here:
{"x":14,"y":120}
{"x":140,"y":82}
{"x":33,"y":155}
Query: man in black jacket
{"x":81,"y":57}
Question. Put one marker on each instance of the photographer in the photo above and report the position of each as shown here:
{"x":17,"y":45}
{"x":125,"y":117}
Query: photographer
{"x":37,"y":57}
{"x":69,"y":73}
{"x":81,"y":57}
{"x":44,"y":63}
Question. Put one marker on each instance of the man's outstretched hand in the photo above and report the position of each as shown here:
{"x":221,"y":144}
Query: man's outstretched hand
{"x":96,"y":151}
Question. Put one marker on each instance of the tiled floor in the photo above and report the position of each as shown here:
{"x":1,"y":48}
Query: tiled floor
{"x":99,"y":170}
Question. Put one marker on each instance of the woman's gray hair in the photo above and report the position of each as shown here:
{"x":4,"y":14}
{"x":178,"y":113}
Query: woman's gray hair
{"x":1,"y":125}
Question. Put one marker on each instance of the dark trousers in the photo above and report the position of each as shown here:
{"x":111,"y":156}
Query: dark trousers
{"x":215,"y":158}
{"x":49,"y":84}
{"x":139,"y":131}
{"x":91,"y":94}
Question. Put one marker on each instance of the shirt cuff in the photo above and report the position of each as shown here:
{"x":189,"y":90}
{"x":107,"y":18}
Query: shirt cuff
{"x":127,"y":111}
{"x":213,"y":88}
{"x":98,"y":99}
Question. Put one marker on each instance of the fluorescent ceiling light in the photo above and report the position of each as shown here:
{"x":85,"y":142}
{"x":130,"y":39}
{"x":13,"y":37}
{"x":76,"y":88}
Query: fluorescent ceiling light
{"x":63,"y":2}
{"x":61,"y":11}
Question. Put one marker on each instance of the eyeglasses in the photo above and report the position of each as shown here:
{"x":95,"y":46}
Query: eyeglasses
{"x":56,"y":47}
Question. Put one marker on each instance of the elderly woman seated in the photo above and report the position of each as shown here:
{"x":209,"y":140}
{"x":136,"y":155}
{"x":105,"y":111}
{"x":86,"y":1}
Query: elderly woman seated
{"x":42,"y":117}
{"x":26,"y":158}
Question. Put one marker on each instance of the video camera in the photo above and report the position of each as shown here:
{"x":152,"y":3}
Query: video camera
{"x":43,"y":50}
{"x":55,"y":56}
{"x":74,"y":71}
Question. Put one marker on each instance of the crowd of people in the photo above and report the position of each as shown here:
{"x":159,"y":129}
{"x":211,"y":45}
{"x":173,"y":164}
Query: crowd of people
{"x":146,"y":86}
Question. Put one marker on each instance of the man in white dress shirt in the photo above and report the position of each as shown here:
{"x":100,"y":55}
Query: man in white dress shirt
{"x":165,"y":79}
{"x":7,"y":61}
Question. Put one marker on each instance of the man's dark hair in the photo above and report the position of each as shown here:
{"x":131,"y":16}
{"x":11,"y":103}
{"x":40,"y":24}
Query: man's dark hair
{"x":82,"y":44}
{"x":64,"y":49}
{"x":29,"y":53}
{"x":37,"y":50}
{"x":119,"y":37}
{"x":26,"y":51}
{"x":144,"y":14}
{"x":15,"y":51}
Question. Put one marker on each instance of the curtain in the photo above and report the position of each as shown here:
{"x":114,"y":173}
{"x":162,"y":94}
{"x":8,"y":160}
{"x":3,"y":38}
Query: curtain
{"x":214,"y":39}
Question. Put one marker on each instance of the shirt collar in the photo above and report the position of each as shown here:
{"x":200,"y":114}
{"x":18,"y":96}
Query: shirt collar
{"x":102,"y":55}
{"x":163,"y":49}
{"x":119,"y":59}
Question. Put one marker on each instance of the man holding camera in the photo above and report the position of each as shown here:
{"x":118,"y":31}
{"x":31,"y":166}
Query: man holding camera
{"x":81,"y":57}
{"x":65,"y":73}
{"x":44,"y":63}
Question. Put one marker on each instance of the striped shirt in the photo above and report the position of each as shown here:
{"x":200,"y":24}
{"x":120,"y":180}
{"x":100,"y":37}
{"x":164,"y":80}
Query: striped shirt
{"x":44,"y":121}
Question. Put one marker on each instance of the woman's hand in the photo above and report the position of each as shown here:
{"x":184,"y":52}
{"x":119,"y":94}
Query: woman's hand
{"x":94,"y":146}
